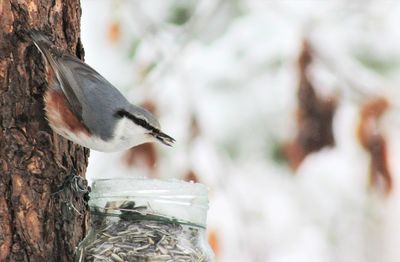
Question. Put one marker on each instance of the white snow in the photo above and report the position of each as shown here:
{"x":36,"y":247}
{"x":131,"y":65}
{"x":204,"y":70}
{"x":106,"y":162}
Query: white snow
{"x":236,"y":72}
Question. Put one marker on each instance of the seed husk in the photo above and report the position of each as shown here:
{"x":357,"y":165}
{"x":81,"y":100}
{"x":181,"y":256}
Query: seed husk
{"x":142,"y":235}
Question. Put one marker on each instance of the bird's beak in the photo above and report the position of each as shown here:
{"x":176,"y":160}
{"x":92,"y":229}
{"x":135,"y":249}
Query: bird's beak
{"x":164,"y":138}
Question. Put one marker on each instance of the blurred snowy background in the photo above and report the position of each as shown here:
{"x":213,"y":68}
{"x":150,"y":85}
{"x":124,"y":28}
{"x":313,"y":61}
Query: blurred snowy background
{"x":286,"y":110}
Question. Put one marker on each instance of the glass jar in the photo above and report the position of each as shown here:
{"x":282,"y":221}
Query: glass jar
{"x":146,"y":220}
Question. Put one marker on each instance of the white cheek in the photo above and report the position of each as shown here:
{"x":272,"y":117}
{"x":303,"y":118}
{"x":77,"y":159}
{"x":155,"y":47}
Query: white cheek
{"x":130,"y":133}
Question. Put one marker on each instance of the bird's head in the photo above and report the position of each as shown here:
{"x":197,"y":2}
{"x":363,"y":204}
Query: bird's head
{"x":141,"y":119}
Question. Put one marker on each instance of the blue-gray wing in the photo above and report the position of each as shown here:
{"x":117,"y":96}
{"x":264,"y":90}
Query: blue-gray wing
{"x":55,"y":59}
{"x":94,"y":97}
{"x":91,"y":97}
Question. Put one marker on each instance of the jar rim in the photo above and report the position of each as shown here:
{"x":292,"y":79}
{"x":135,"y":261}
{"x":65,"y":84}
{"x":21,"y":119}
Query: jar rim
{"x":126,"y":186}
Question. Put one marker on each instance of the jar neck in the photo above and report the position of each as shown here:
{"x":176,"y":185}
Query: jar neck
{"x":164,"y":200}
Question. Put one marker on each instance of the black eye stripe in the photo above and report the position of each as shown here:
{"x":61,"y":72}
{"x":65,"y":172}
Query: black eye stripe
{"x":139,"y":121}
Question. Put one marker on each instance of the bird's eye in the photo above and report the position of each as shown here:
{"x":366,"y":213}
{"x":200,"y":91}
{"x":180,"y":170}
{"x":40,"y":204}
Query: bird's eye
{"x":119,"y":114}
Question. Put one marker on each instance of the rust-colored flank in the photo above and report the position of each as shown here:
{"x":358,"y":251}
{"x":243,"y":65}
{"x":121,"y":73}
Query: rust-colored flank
{"x":59,"y":115}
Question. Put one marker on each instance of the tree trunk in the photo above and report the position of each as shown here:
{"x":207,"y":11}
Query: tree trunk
{"x":36,"y":224}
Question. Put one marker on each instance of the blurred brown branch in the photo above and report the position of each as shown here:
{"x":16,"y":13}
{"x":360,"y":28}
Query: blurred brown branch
{"x":314,"y":116}
{"x":374,"y":142}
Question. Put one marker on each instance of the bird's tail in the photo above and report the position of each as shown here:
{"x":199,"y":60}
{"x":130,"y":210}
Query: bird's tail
{"x":45,"y":46}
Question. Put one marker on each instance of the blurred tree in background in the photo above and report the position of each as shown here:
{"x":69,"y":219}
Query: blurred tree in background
{"x":297,"y":142}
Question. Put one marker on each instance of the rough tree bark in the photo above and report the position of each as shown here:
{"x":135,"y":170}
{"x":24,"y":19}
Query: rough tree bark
{"x":35,"y":224}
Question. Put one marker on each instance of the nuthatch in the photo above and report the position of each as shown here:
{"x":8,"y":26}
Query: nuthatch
{"x":85,"y":108}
